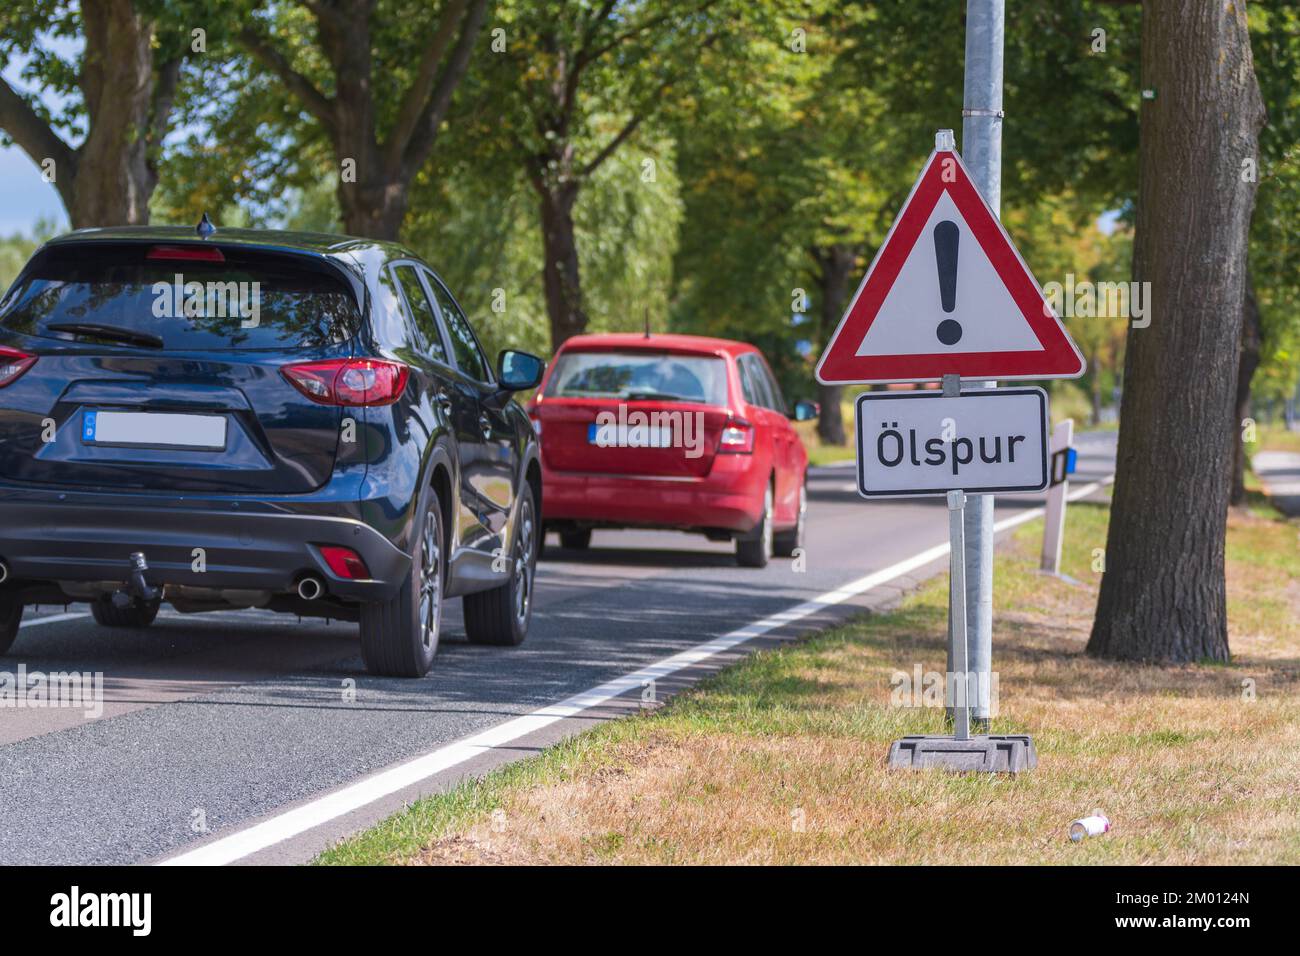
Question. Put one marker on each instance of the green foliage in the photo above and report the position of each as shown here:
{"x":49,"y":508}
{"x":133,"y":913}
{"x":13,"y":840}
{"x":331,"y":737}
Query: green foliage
{"x":482,"y":235}
{"x":783,"y":141}
{"x":819,"y":149}
{"x":16,"y":249}
{"x":1274,"y":249}
{"x":246,"y":144}
{"x":777,"y":129}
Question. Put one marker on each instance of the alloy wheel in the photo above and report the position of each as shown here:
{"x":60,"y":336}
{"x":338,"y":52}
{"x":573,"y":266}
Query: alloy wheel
{"x":524,"y":563}
{"x":430,"y":582}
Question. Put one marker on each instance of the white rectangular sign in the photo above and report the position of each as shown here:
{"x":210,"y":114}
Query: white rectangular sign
{"x":926,"y":443}
{"x":155,"y":430}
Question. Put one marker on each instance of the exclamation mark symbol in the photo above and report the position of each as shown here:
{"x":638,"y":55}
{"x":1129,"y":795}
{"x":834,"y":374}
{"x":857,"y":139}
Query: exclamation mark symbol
{"x":947,"y":237}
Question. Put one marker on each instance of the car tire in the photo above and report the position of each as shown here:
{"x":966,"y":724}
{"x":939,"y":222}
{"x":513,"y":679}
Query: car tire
{"x":786,"y":543}
{"x":500,"y":617}
{"x":107,"y":614}
{"x":399,"y":637}
{"x":11,"y":615}
{"x":579,"y":540}
{"x":755,"y":549}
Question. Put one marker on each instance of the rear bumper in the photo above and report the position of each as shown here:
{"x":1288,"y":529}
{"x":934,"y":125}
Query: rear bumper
{"x":729,"y":499}
{"x":254,"y":546}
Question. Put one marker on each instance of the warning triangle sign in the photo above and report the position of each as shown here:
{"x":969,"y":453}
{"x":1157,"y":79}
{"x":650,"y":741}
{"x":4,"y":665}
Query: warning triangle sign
{"x":948,"y":294}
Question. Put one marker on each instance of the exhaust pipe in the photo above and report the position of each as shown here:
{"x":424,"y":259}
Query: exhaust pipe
{"x":4,"y":572}
{"x":310,"y":588}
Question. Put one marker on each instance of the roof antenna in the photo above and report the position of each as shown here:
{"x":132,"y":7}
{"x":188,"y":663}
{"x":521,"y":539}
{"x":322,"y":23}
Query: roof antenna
{"x":205,"y":227}
{"x":647,"y":322}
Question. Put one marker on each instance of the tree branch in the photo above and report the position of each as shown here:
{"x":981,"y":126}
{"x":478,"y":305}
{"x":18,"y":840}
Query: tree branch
{"x":426,"y":130}
{"x":35,"y":137}
{"x":589,"y":56}
{"x":164,"y":97}
{"x":312,"y":99}
{"x":586,"y":56}
{"x":418,"y":93}
{"x":628,"y":129}
{"x":592,"y":28}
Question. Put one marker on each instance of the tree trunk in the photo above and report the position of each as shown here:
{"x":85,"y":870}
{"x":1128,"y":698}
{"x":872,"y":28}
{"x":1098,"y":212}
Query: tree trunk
{"x":1249,"y":361}
{"x":373,"y":186}
{"x":114,"y":177}
{"x":560,"y":275}
{"x":374,"y":208}
{"x":835,"y":266}
{"x":1163,"y":594}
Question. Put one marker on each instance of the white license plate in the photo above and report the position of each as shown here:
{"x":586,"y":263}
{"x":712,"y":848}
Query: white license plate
{"x":154,"y":430}
{"x":629,"y":436}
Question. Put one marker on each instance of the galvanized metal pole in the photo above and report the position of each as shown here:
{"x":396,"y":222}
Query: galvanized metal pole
{"x":981,"y":143}
{"x":959,"y":674}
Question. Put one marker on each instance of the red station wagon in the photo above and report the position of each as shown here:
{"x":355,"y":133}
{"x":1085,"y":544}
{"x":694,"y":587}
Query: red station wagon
{"x":671,"y":431}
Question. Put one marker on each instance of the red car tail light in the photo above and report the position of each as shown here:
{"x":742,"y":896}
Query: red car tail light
{"x":349,"y":381}
{"x":345,"y":562}
{"x":737,"y":438}
{"x":13,"y":364}
{"x":191,"y":253}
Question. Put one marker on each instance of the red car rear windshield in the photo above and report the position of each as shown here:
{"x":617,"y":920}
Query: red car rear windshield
{"x":637,"y":375}
{"x":240,"y":299}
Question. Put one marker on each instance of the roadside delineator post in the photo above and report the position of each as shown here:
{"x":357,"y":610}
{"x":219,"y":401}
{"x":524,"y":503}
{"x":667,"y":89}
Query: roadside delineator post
{"x":1054,"y":518}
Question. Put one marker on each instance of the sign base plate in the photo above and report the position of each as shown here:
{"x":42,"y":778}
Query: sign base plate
{"x":985,"y":753}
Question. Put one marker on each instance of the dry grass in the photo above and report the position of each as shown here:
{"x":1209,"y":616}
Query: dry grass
{"x":781,"y":759}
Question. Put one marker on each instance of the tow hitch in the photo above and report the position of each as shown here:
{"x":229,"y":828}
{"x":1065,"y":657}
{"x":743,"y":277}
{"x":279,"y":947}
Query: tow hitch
{"x":139,"y":589}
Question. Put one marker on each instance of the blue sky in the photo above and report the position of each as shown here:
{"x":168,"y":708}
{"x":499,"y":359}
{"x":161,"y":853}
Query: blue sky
{"x":24,"y":196}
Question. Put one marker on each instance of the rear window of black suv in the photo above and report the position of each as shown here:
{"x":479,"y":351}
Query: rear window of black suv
{"x":234,"y":299}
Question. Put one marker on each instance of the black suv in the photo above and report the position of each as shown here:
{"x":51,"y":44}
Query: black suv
{"x":246,"y":418}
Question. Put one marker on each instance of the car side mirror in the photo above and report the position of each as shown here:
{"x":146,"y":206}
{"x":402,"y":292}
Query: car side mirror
{"x":806,"y":411}
{"x":519,"y":371}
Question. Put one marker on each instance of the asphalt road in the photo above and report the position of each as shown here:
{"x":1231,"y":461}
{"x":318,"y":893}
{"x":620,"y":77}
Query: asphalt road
{"x":213,"y":722}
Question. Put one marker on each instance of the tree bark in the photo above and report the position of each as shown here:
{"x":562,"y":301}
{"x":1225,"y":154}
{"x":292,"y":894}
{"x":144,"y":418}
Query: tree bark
{"x":560,"y":272}
{"x":1246,"y":365}
{"x":109,"y":178}
{"x":1163,"y":594}
{"x":114,"y":178}
{"x":834,"y":268}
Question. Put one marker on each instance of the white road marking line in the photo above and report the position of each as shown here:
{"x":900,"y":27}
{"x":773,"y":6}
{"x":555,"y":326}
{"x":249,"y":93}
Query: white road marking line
{"x":321,"y":810}
{"x":53,"y":619}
